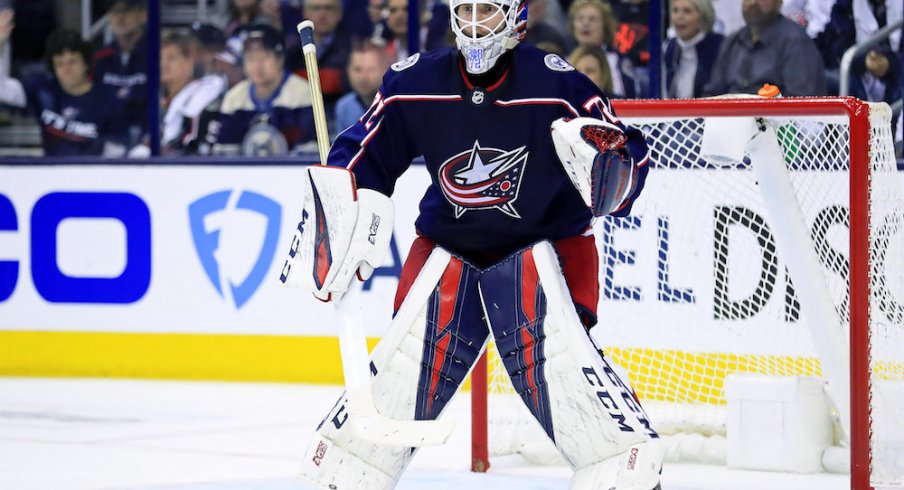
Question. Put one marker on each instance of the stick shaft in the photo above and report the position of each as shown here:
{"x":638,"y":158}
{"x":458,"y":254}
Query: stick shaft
{"x":306,"y":31}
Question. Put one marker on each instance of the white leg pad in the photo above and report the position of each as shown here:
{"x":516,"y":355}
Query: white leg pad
{"x":638,"y":468}
{"x":583,"y":404}
{"x":415,"y":374}
{"x":329,"y":466}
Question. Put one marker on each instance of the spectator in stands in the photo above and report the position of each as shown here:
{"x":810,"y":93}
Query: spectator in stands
{"x":27,"y":54}
{"x":593,"y":62}
{"x":539,"y":32}
{"x":242,"y":13}
{"x":632,"y":34}
{"x":334,"y":46}
{"x":77,"y":116}
{"x":811,"y":15}
{"x":592,"y":23}
{"x":122,"y":65}
{"x":365,"y":72}
{"x":729,"y":18}
{"x":270,"y":112}
{"x":184,"y":98}
{"x":769,"y":49}
{"x":214,"y":57}
{"x":434,"y":27}
{"x":689,"y":56}
{"x":375,"y":11}
{"x":271,"y":13}
{"x":855,"y":22}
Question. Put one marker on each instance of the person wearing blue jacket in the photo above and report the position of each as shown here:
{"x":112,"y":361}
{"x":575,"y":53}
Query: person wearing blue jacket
{"x":691,"y":54}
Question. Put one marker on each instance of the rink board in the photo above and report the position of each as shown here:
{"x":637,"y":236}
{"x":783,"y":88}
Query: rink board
{"x":172,"y":271}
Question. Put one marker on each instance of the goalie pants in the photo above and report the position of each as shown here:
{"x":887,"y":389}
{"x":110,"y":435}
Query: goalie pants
{"x":579,"y":400}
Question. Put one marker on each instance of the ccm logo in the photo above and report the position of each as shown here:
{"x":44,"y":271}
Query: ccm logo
{"x":374,"y":226}
{"x":293,"y":250}
{"x":632,"y":458}
{"x":319,"y":453}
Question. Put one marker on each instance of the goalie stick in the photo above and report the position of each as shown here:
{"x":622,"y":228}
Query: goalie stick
{"x":363,"y":415}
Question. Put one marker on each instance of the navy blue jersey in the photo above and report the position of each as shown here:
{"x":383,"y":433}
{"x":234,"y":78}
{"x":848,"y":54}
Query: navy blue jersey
{"x":497,"y":183}
{"x":74,"y":124}
{"x":127,"y":77}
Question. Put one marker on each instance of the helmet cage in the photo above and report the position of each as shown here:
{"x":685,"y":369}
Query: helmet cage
{"x":481,"y":45}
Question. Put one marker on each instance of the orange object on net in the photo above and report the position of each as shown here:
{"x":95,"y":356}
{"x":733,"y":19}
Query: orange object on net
{"x":769,"y":90}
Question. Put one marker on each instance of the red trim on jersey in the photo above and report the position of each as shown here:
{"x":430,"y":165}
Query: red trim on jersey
{"x":497,"y":84}
{"x":580,"y":266}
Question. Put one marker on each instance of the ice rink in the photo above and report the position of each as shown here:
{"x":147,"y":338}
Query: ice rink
{"x":127,"y":434}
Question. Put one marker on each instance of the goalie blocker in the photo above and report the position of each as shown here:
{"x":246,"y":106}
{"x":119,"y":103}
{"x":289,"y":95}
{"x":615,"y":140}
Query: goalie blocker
{"x":344,"y":231}
{"x":446,"y":311}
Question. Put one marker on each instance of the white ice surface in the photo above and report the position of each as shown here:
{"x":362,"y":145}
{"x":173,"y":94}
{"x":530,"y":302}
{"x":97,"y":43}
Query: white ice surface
{"x":152,"y":435}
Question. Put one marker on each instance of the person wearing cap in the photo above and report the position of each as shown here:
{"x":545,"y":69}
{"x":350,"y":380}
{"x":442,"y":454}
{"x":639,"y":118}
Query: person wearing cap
{"x":122,"y":64}
{"x":270,"y":112}
{"x":214,"y":56}
{"x":334,"y":48}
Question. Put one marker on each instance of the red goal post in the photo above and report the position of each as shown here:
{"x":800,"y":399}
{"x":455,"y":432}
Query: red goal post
{"x":843,"y":136}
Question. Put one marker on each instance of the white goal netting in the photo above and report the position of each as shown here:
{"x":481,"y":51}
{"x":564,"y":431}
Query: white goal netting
{"x":695,"y":285}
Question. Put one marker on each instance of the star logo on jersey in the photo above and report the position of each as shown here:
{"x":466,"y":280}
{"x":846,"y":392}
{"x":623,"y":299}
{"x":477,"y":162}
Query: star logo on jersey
{"x":483,"y":178}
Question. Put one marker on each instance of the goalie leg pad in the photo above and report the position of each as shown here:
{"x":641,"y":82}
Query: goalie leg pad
{"x":435,"y":338}
{"x":638,"y":468}
{"x":582,"y":404}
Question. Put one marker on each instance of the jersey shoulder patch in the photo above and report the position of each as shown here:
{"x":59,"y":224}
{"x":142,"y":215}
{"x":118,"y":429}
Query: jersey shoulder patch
{"x":406,"y":63}
{"x":556,"y":63}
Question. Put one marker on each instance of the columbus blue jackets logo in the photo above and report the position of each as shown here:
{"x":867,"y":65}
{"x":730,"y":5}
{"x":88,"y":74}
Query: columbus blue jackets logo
{"x":483,"y":178}
{"x":235,"y":235}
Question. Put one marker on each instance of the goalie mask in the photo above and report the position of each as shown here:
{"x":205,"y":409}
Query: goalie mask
{"x":485,"y":30}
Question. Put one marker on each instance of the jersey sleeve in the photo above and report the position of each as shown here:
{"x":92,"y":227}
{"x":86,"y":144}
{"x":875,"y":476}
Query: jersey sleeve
{"x":591,"y":102}
{"x":376,"y":148}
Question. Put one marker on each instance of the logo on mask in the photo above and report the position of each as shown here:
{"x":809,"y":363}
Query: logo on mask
{"x":483,"y":178}
{"x":475,"y":58}
{"x":229,"y":228}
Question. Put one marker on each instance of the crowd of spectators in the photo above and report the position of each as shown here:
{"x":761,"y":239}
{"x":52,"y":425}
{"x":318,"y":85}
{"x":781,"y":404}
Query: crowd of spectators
{"x":237,"y":84}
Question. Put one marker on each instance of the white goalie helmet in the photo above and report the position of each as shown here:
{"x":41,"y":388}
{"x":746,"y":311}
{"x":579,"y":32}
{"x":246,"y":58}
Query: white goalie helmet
{"x":486,"y":29}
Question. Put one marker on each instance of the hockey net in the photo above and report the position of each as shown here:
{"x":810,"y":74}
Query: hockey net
{"x":695,"y":285}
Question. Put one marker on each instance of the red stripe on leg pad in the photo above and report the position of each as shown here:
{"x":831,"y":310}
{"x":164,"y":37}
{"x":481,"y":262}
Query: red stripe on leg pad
{"x":448,"y":293}
{"x":529,"y":362}
{"x":417,"y":256}
{"x":529,"y":282}
{"x":439,"y":358}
